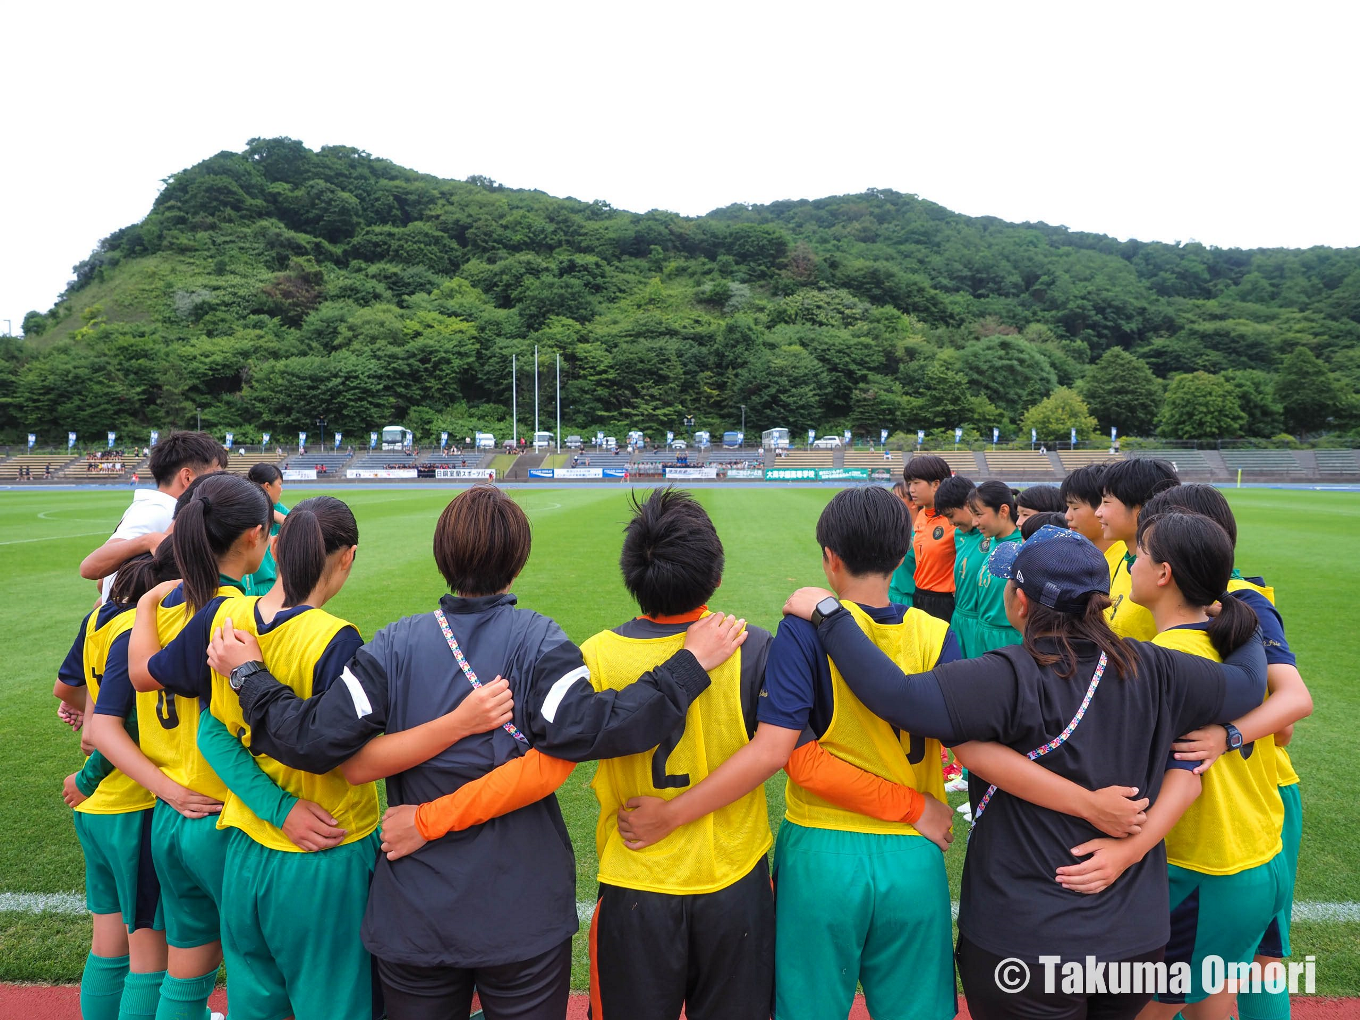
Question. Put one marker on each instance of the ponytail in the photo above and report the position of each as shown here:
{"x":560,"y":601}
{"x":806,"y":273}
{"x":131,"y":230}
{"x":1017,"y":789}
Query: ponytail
{"x":994,"y":495}
{"x":210,"y":515}
{"x":134,"y":579}
{"x":1200,"y":555}
{"x":1048,"y":628}
{"x":140,"y":574}
{"x":313,"y":530}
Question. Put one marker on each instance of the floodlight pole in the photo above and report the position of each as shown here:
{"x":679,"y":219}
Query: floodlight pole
{"x":559,"y":401}
{"x":514,"y":405}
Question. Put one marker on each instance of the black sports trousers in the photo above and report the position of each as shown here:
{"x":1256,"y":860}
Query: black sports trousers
{"x":534,"y":989}
{"x":712,"y":953}
{"x":979,"y":970}
{"x":939,"y":604}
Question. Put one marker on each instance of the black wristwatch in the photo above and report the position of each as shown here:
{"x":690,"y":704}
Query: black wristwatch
{"x":825,"y":609}
{"x":1234,"y":737}
{"x":244,"y":672}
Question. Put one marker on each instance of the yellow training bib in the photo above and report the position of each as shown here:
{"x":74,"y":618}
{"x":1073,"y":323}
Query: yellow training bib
{"x":1235,"y":822}
{"x":1283,"y":766}
{"x":864,"y":740}
{"x":167,"y":724}
{"x":707,"y":854}
{"x":117,"y":794}
{"x":1126,"y":617}
{"x":291,"y":651}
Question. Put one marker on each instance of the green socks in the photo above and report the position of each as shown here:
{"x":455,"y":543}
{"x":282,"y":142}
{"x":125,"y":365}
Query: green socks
{"x":186,"y":998}
{"x":101,"y":986}
{"x":141,"y":996}
{"x":1263,"y":1005}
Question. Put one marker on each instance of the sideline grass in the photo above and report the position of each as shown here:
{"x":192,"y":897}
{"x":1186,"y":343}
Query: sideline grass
{"x":1303,"y":542}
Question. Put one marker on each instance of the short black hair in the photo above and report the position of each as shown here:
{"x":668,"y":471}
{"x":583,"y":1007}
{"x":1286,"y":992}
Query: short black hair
{"x":264,"y":473}
{"x":926,"y":467}
{"x":953,"y":494}
{"x":1034,"y":522}
{"x":1135,"y":481}
{"x":1198,"y":498}
{"x":1043,"y":498}
{"x":1086,"y":483}
{"x":994,"y":494}
{"x":186,"y":449}
{"x":672,"y":559}
{"x":865,"y":526}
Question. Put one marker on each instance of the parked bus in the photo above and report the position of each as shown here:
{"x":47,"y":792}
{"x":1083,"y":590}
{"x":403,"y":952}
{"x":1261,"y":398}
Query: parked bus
{"x":542,"y":440}
{"x":732,"y":440}
{"x":394,"y":437}
{"x":775,"y":439}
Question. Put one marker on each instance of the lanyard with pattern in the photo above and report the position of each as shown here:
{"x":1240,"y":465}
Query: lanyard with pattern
{"x":458,"y":655}
{"x":1057,"y":741}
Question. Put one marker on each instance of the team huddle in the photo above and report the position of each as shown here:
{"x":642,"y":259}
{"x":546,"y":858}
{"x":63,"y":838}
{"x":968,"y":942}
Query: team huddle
{"x":1086,"y":661}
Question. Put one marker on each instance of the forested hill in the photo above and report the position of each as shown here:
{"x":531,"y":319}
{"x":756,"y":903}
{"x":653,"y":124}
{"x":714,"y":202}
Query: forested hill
{"x":278,"y":285}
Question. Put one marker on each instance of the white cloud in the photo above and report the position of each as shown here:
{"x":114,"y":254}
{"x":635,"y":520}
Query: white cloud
{"x":1226,"y":123}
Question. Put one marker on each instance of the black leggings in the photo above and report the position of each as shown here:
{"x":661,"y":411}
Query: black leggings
{"x":986,"y":1001}
{"x":534,"y":989}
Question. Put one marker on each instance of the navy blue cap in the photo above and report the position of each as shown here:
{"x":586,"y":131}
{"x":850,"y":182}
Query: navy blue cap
{"x":1055,"y":567}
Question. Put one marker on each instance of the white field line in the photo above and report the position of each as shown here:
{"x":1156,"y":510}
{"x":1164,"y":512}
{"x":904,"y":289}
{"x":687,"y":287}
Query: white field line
{"x":1347,"y":911}
{"x":54,"y":538}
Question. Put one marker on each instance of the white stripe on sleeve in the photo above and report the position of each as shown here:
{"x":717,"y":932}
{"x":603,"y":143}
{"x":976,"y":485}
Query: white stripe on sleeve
{"x":559,"y":691}
{"x":362,"y":707}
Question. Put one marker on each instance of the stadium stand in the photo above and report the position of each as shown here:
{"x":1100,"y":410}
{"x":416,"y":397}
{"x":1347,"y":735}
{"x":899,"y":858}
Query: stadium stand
{"x":37,"y":463}
{"x":1188,"y":463}
{"x":334,"y":463}
{"x":239,"y":464}
{"x":806,"y":459}
{"x":1019,"y":464}
{"x":1337,"y":462}
{"x":1073,"y":459}
{"x":961,"y":462}
{"x":1263,"y":462}
{"x":873,"y":459}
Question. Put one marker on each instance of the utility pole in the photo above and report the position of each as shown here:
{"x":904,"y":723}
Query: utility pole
{"x":514,"y":405}
{"x":559,"y":401}
{"x":535,"y":396}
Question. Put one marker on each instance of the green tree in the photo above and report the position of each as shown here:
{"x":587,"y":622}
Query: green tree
{"x":1054,"y":417}
{"x":1008,"y":371}
{"x":1307,"y":392}
{"x":944,"y":399}
{"x":1256,"y":396}
{"x":1200,"y":406}
{"x":1122,"y":392}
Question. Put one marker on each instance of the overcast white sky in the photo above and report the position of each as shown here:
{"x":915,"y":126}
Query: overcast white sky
{"x":1227,"y":123}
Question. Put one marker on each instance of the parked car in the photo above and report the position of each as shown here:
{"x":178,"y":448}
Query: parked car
{"x":679,"y":444}
{"x":827,"y":443}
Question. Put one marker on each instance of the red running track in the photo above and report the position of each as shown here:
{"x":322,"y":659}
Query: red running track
{"x":62,"y":1002}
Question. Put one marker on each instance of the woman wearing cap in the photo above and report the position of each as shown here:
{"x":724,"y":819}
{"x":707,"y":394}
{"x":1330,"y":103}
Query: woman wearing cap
{"x":1092,"y":708}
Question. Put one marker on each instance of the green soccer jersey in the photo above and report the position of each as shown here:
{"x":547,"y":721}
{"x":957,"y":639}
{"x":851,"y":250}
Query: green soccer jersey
{"x":967,"y":558}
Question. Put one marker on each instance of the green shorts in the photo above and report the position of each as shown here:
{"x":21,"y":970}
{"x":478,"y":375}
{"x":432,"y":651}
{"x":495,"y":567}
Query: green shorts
{"x":1275,"y":942}
{"x":190,"y":855}
{"x":281,"y":961}
{"x":987,"y":638}
{"x":855,"y":907}
{"x":1220,"y":915}
{"x":964,"y":625}
{"x":119,"y":877}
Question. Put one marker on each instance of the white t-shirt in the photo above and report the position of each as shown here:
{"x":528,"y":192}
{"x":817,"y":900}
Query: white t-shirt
{"x":151,"y":510}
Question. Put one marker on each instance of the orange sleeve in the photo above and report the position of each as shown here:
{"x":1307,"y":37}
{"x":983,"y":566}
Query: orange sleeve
{"x":514,"y":785}
{"x":818,"y":770}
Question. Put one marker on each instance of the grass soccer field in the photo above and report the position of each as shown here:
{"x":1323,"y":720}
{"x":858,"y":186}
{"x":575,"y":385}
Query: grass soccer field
{"x":1302,"y":542}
